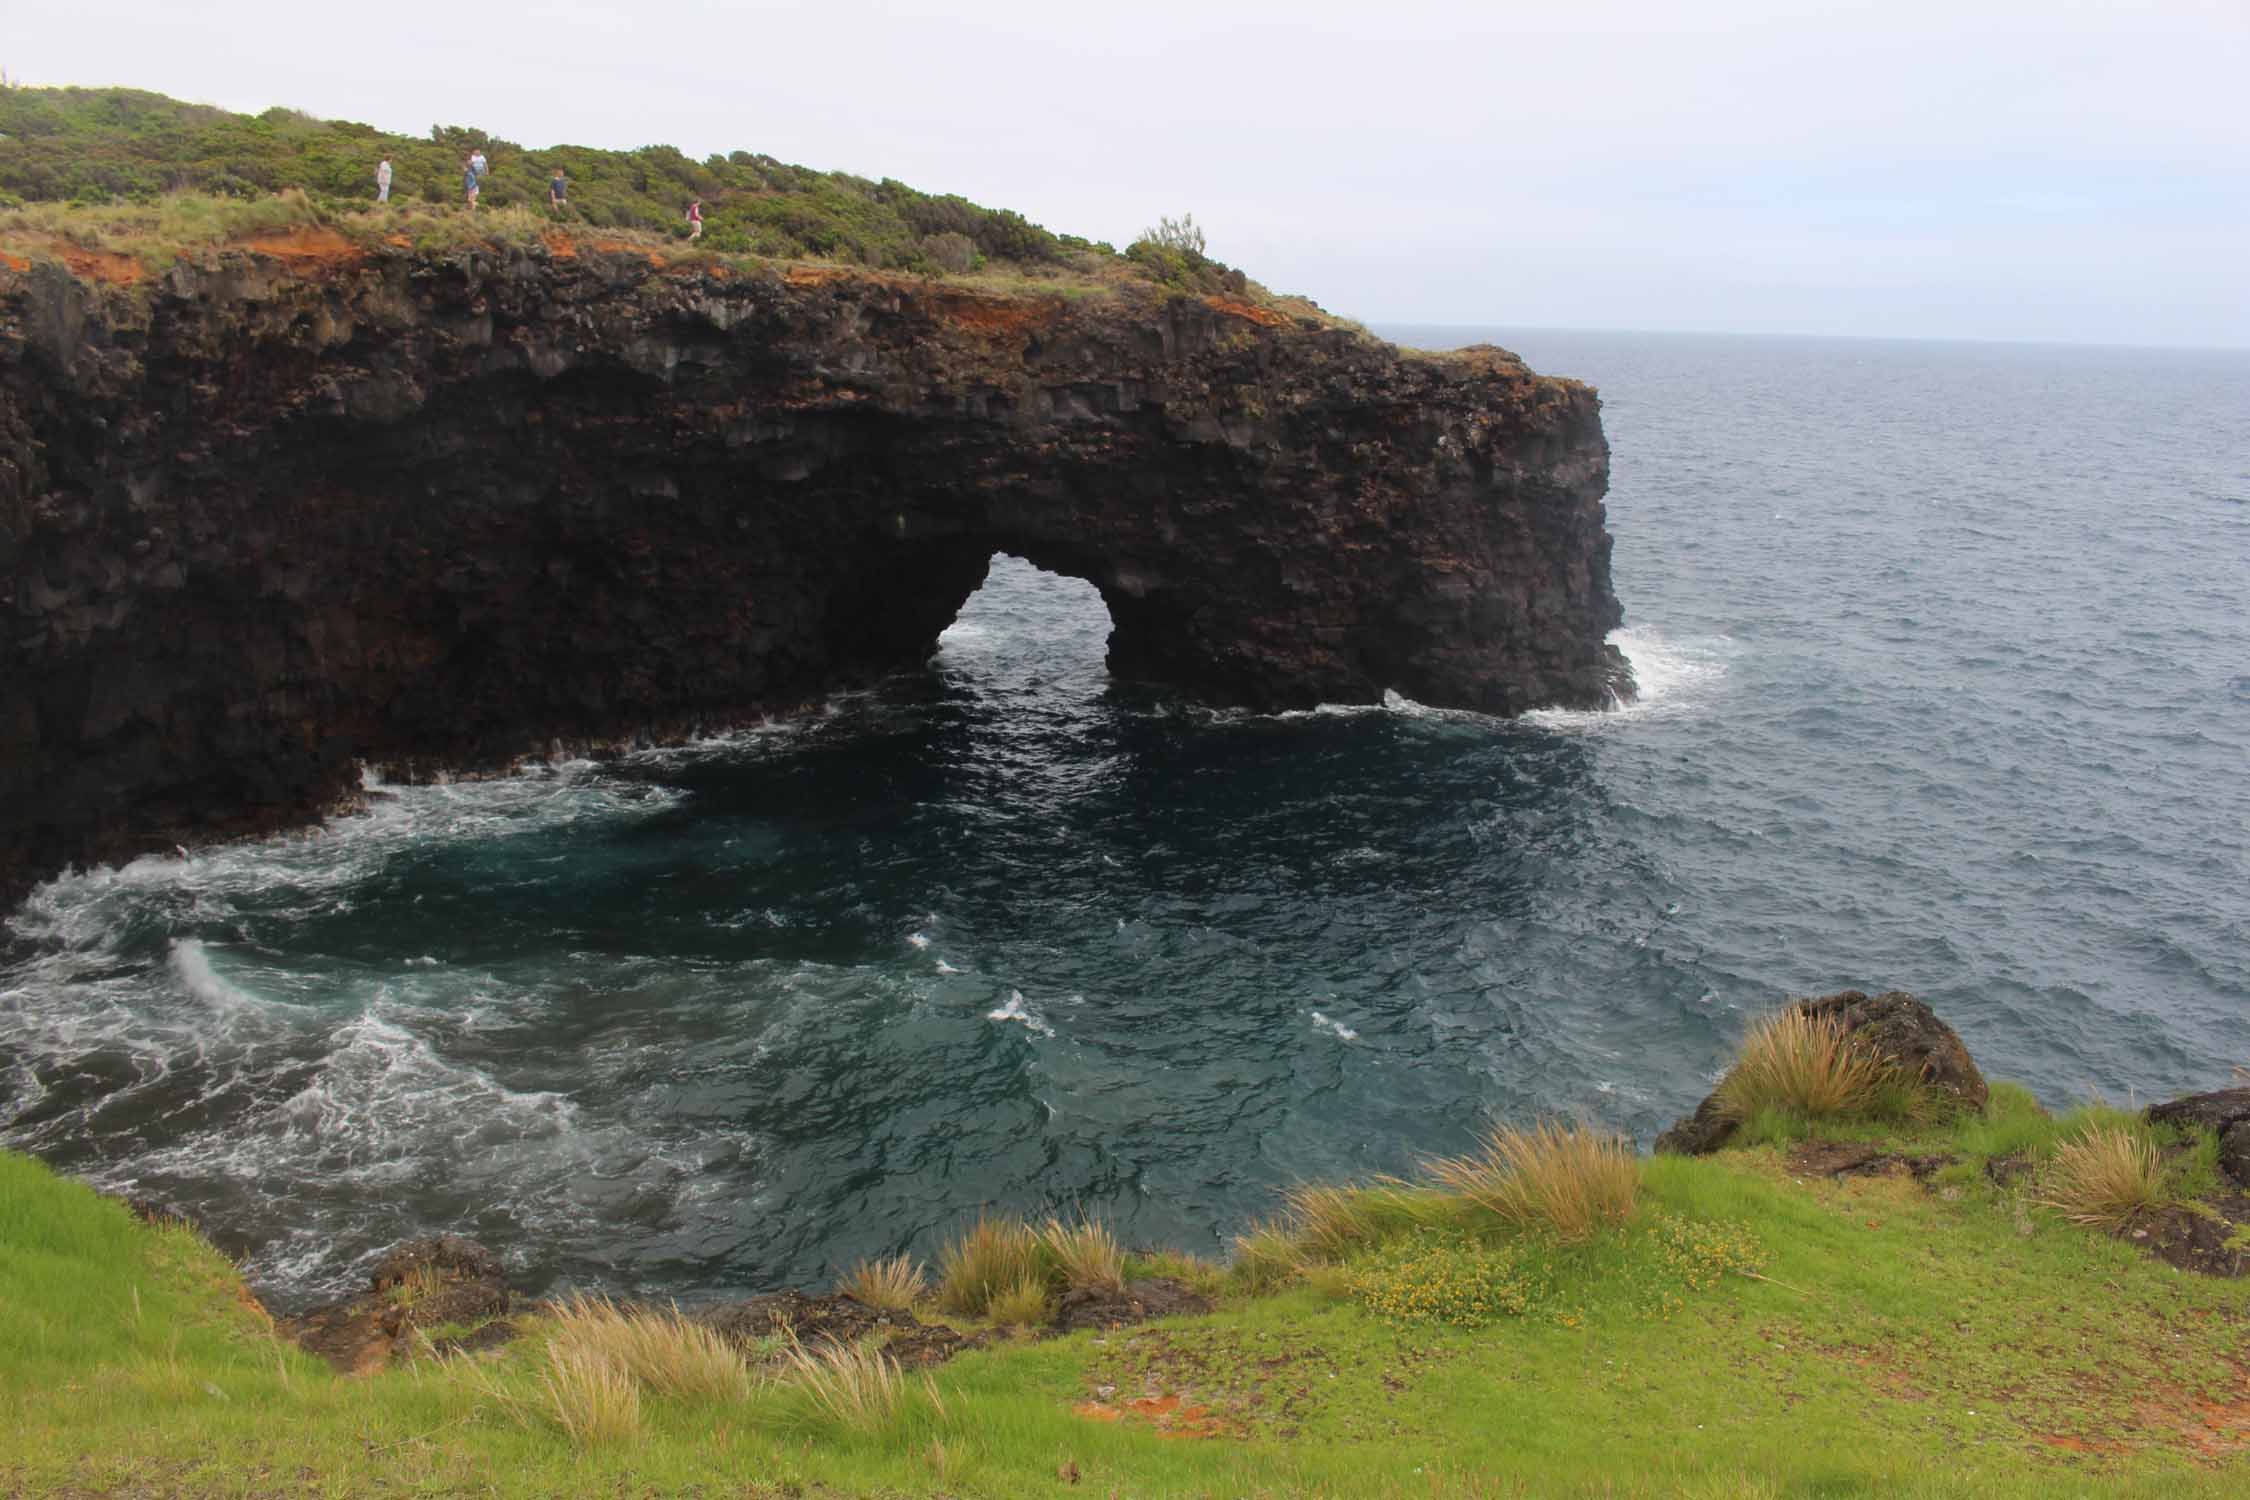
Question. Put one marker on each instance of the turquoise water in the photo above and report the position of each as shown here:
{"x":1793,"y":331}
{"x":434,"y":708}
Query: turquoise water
{"x":1947,"y":687}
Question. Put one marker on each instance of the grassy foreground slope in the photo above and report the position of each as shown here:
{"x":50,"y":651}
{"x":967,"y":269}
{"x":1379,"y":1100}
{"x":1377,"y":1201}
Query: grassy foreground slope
{"x":1749,"y":1331}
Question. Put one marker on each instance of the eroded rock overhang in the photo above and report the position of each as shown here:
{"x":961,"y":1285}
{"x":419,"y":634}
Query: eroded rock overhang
{"x":279,"y":512}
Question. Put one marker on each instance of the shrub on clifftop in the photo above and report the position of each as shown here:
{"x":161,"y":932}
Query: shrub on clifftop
{"x":108,"y":145}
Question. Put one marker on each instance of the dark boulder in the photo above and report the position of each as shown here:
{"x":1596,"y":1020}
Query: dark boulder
{"x":2223,"y":1112}
{"x":1895,"y":1026}
{"x":1698,"y":1134}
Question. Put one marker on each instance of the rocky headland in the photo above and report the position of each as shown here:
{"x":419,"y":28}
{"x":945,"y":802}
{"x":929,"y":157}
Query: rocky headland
{"x":298,"y":505}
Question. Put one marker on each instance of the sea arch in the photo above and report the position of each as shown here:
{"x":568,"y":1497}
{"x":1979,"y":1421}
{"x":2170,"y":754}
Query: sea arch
{"x":262,"y":523}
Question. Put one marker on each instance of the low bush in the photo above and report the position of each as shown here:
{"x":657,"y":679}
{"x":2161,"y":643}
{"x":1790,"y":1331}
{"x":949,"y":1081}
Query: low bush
{"x":950,"y":252}
{"x":1444,"y":1279}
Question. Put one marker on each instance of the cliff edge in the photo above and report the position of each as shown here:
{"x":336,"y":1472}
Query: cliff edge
{"x":296,"y":505}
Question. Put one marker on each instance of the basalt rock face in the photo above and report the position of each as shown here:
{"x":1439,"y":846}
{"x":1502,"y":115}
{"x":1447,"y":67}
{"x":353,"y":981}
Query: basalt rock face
{"x":285,"y":510}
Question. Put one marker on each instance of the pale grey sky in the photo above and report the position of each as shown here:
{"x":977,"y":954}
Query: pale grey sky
{"x":2034,"y":169}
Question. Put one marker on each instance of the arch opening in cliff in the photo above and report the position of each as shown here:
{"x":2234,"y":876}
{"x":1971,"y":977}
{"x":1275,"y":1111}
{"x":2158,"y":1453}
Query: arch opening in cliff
{"x":1028,"y":627}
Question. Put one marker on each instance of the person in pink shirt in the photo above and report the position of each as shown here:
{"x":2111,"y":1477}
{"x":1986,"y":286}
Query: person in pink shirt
{"x":695,"y":220}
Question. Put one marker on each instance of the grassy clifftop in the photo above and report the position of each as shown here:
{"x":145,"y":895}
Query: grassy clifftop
{"x":128,"y":151}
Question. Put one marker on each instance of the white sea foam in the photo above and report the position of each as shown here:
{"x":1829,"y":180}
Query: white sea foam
{"x":86,"y":909}
{"x":190,"y":963}
{"x":1341,"y":1032}
{"x":918,"y":939}
{"x":1671,"y":677}
{"x":1014,"y":1011}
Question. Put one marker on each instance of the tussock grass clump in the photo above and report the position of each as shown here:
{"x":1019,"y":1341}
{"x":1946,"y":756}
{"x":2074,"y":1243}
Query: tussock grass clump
{"x":852,"y":1386}
{"x":1796,"y":1062}
{"x":662,"y":1351}
{"x":1330,"y":1223}
{"x":896,"y":1283}
{"x":1085,"y":1254}
{"x":2106,"y":1177}
{"x":1266,"y":1259}
{"x":1566,"y":1179}
{"x":1023,"y":1305}
{"x":992,"y":1258}
{"x":591,"y":1397}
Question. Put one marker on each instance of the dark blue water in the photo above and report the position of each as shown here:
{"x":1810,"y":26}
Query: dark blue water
{"x":1947,"y":681}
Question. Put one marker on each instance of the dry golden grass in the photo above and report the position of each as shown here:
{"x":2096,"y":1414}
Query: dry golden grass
{"x":1568,"y":1179}
{"x":896,"y":1283}
{"x":663,"y":1351}
{"x":1023,"y":1305}
{"x":851,"y":1386}
{"x":1795,"y":1062}
{"x":1086,"y":1254}
{"x":1267,"y":1258}
{"x":994,"y":1256}
{"x":1330,"y":1221}
{"x":418,"y":1284}
{"x":2107,"y":1177}
{"x":591,"y":1398}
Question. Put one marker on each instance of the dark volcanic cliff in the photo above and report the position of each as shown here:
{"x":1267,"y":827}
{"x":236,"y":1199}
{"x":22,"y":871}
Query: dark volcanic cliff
{"x":285,"y":509}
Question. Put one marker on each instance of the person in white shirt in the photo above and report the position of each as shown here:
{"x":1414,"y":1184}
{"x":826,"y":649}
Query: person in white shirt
{"x":383,"y":181}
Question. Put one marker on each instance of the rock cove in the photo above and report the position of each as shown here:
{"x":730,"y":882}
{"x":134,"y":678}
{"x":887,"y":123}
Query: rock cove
{"x":288,"y":508}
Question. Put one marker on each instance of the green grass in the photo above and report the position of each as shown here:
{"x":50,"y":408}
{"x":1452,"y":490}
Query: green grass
{"x":1743,"y":1334}
{"x":144,"y":175}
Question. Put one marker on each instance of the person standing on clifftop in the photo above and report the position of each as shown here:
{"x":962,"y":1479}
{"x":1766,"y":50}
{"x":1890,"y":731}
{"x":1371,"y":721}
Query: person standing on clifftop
{"x":469,"y":186}
{"x":383,"y":180}
{"x":477,"y":163}
{"x":558,"y":192}
{"x":695,"y":220}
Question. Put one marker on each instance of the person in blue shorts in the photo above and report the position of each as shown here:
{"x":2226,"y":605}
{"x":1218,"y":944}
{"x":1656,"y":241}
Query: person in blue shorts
{"x":469,"y":186}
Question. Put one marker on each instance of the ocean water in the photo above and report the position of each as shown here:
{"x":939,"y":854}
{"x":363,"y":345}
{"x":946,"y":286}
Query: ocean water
{"x":1945,"y":671}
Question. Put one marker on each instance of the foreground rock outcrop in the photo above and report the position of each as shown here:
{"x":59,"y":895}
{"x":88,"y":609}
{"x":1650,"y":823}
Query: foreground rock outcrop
{"x":1894,"y":1026}
{"x":291,"y":508}
{"x":2223,"y":1112}
{"x":438,"y":1295}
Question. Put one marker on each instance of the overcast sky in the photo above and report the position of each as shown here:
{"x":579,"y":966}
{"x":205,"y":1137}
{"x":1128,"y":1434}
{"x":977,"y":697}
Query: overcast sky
{"x":2009,"y":169}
